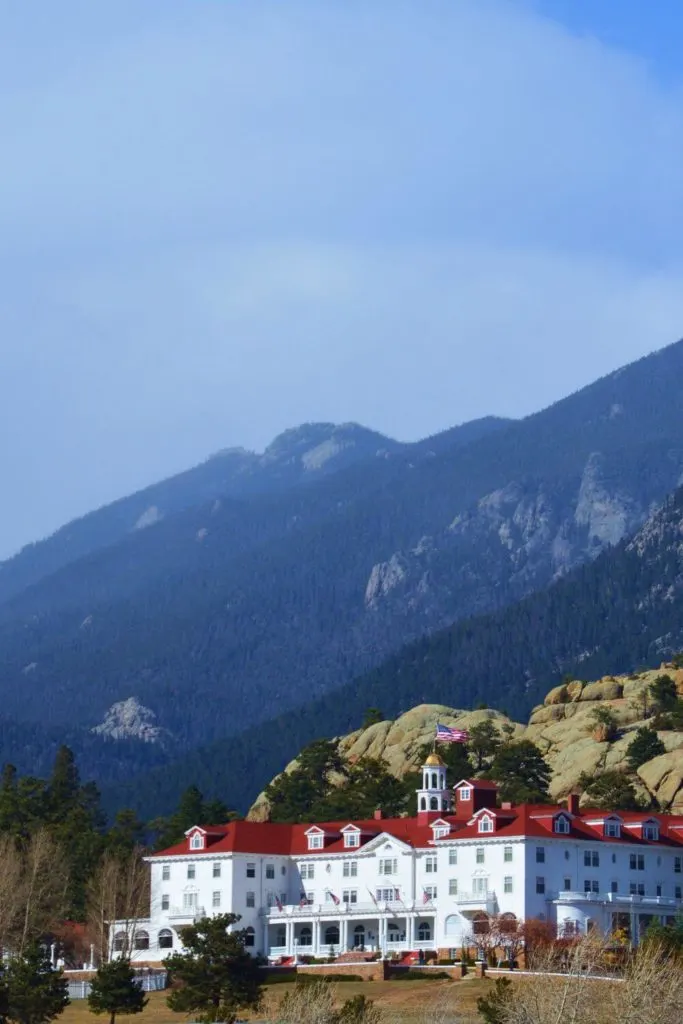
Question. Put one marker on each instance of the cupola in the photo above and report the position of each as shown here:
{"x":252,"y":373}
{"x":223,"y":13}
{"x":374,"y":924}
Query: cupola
{"x":434,"y":796}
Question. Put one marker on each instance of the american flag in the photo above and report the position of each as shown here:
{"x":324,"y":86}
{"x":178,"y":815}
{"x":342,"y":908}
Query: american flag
{"x":445,"y":734}
{"x":278,"y":903}
{"x":426,"y":896}
{"x":335,"y":899}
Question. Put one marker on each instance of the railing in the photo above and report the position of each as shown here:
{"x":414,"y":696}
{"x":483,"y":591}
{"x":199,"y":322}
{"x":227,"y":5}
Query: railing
{"x":186,"y":913}
{"x":567,"y":896}
{"x":475,"y":898}
{"x":331,"y":909}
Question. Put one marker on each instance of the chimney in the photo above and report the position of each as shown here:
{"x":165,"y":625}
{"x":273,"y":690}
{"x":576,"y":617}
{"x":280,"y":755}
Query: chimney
{"x":506,"y":805}
{"x":573,"y":803}
{"x":379,"y":814}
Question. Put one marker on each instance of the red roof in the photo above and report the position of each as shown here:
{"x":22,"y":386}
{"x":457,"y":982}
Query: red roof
{"x":532,"y":820}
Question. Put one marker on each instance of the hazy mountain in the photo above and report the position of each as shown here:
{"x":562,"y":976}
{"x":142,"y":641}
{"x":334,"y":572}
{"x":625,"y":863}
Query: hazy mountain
{"x":230,"y":611}
{"x":618,"y":612}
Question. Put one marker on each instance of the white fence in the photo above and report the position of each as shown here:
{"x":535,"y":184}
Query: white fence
{"x":150,"y":981}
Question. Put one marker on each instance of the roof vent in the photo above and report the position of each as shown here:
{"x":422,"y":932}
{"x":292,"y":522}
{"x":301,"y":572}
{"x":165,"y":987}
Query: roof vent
{"x":379,"y":814}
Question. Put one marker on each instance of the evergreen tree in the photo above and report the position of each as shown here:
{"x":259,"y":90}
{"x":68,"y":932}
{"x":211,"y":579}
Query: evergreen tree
{"x":294,"y":796}
{"x":483,"y":742}
{"x":521,"y":773}
{"x":217,"y":976}
{"x":611,"y":790}
{"x":126,"y":833}
{"x":664,"y":693}
{"x":64,"y":785}
{"x":494,"y":1007}
{"x":36,"y":993}
{"x":369,"y":786}
{"x":645,"y":745}
{"x":372,"y":717}
{"x":192,"y":810}
{"x":115,"y":990}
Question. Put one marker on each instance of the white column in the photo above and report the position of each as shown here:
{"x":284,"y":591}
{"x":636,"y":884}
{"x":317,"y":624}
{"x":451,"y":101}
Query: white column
{"x":289,"y":926}
{"x":344,"y":934}
{"x":316,"y":938}
{"x":411,"y":932}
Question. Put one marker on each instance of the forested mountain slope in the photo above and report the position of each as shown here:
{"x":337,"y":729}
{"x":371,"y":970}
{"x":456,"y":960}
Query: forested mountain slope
{"x":228,"y":613}
{"x":622,"y":610}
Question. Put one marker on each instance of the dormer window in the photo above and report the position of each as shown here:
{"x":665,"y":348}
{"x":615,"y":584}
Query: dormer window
{"x":651,"y":831}
{"x":315,"y":842}
{"x":562,"y":825}
{"x":197,"y":841}
{"x":612,"y":829}
{"x":441,"y":830}
{"x":486,"y":824}
{"x":352,"y":839}
{"x":464,"y":793}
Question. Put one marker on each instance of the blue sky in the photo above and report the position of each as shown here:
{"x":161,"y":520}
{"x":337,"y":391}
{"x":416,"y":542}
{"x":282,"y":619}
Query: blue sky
{"x":219,"y":219}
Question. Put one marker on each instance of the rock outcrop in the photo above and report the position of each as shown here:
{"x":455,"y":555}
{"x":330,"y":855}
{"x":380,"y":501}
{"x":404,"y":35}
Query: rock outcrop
{"x":564,"y":727}
{"x":131,"y":720}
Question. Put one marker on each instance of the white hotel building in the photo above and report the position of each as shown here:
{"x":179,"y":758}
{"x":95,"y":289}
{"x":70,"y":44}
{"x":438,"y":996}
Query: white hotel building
{"x":427,"y":882}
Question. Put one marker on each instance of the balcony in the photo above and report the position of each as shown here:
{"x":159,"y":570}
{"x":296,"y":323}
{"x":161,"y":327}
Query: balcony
{"x":473,"y":902}
{"x":185,"y":913}
{"x":330,"y":909}
{"x":619,"y":898}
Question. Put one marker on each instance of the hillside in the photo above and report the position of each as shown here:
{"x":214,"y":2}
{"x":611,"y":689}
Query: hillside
{"x":226,"y":614}
{"x":619,"y":611}
{"x":563,"y":728}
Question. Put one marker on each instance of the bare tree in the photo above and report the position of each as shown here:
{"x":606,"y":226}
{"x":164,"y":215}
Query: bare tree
{"x":10,"y":891}
{"x":117,"y":892}
{"x":33,"y":888}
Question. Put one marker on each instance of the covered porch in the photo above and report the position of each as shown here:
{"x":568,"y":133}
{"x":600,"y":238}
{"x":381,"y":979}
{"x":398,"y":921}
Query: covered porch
{"x":332,"y":936}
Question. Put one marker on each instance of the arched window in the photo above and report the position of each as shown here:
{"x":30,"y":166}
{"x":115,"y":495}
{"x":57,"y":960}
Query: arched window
{"x":507,"y":924}
{"x":452,"y":925}
{"x":394,"y":932}
{"x":305,"y":936}
{"x":249,"y":936}
{"x":481,"y":924}
{"x":424,"y":932}
{"x":165,"y":940}
{"x":119,"y":942}
{"x":423,"y":803}
{"x":435,"y":782}
{"x":142,"y":940}
{"x":332,"y":935}
{"x":359,"y":935}
{"x":434,"y":803}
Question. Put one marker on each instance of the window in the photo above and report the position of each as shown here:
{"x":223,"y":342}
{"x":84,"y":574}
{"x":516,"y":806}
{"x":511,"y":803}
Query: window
{"x":481,"y":855}
{"x":165,"y":939}
{"x":430,"y":865}
{"x":566,"y":855}
{"x":507,"y":854}
{"x":612,"y":829}
{"x":429,"y":893}
{"x":658,"y":891}
{"x":216,"y":899}
{"x":540,"y":885}
{"x":507,"y":884}
{"x":677,"y":864}
{"x":637,"y":888}
{"x":562,"y":824}
{"x":270,"y":871}
{"x":614,"y":887}
{"x":189,"y":900}
{"x":217,"y":870}
{"x":166,"y":873}
{"x":142,"y":940}
{"x":441,"y":830}
{"x":283,"y":870}
{"x":567,"y":884}
{"x":452,"y":857}
{"x":119,"y":942}
{"x":352,"y":839}
{"x":251,"y":870}
{"x":540,"y":854}
{"x":677,"y":892}
{"x":196,"y":842}
{"x":350,"y":896}
{"x":424,"y":932}
{"x":388,"y":866}
{"x":165,"y":902}
{"x":332,"y":935}
{"x":350,"y":868}
{"x":307,"y":870}
{"x":316,"y":841}
{"x":486,"y":824}
{"x":591,"y":885}
{"x":452,"y":886}
{"x":251,"y":899}
{"x":387,"y":895}
{"x":637,"y":862}
{"x":464,"y":793}
{"x":249,"y":936}
{"x":190,"y":871}
{"x":591,"y":859}
{"x":651,"y":831}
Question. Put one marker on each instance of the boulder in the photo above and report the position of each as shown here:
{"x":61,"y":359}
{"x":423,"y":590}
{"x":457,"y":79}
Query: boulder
{"x":558,"y":695}
{"x":604,"y":689}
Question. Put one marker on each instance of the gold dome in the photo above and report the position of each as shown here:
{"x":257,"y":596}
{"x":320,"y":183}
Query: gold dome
{"x":434,"y":761}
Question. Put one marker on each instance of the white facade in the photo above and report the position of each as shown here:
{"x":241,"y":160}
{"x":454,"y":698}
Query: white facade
{"x":429,"y":882}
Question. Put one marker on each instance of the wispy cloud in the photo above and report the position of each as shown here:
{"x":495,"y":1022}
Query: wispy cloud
{"x":220,"y":219}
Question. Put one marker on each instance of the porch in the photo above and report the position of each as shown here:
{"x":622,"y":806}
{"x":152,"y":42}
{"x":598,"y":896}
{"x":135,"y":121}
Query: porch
{"x":296,"y":935}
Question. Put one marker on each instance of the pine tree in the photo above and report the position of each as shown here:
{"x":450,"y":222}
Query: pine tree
{"x":483,"y":742}
{"x":645,"y":745}
{"x":217,"y":976}
{"x":115,"y":990}
{"x":36,"y":992}
{"x":521,"y":773}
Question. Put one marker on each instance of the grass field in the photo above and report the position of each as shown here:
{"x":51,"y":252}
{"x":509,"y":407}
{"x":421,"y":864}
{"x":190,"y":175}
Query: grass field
{"x":406,"y":1002}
